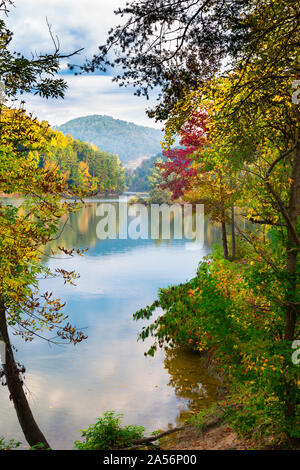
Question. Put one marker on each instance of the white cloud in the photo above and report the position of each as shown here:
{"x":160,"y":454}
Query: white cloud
{"x":118,"y":267}
{"x":91,"y":94}
{"x":77,"y":24}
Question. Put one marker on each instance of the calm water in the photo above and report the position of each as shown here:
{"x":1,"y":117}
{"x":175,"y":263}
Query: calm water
{"x":69,"y":387}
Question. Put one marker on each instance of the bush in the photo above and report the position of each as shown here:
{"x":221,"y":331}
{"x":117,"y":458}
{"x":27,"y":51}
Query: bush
{"x":231,"y":310}
{"x":108,"y":434}
{"x":137,"y":200}
{"x":159,"y":196}
{"x":11,"y":444}
{"x":243,"y":250}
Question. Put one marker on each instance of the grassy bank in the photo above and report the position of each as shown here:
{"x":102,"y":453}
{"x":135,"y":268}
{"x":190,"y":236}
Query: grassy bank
{"x":231,"y":310}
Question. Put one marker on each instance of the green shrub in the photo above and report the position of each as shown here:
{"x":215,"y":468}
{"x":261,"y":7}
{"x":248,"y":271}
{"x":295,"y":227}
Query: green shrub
{"x":11,"y":444}
{"x":108,"y":434}
{"x":231,"y":310}
{"x":243,"y":250}
{"x":159,"y":196}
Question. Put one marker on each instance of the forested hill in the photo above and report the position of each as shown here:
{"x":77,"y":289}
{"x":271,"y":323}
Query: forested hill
{"x":83,"y":165}
{"x":129,"y":141}
{"x":138,"y":178}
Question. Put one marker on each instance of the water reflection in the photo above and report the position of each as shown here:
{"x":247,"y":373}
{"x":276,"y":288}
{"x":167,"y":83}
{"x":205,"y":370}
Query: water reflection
{"x":79,"y":229}
{"x":70,"y":387}
{"x":193,"y":385}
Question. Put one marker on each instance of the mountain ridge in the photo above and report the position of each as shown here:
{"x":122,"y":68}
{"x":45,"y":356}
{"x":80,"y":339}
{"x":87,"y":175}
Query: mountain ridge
{"x":128,"y":140}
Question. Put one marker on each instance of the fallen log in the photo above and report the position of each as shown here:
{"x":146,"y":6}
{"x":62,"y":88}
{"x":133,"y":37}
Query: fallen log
{"x":148,"y":440}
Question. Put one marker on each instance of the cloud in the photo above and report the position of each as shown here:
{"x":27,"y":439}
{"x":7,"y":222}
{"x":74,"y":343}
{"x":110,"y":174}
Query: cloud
{"x":92,"y":94}
{"x":117,"y":268}
{"x":77,"y":24}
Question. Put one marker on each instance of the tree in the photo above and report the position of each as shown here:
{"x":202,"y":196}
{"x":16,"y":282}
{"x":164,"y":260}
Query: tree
{"x":256,"y":124}
{"x":176,"y":46}
{"x":169,"y":44}
{"x":273,"y":178}
{"x":254,"y":127}
{"x":36,"y":75}
{"x":27,"y":228}
{"x":85,"y":166}
{"x":196,"y":173}
{"x":155,"y":177}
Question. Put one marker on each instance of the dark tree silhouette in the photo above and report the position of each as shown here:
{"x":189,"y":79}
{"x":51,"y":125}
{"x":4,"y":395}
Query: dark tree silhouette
{"x":171,"y":43}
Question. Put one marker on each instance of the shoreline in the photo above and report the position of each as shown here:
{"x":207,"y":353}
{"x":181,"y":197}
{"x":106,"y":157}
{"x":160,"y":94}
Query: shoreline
{"x":218,"y":437}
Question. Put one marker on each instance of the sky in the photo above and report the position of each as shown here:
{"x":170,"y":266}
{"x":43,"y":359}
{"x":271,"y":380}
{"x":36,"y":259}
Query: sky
{"x":77,"y":23}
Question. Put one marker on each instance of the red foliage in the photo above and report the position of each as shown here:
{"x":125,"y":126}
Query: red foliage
{"x":177,"y":172}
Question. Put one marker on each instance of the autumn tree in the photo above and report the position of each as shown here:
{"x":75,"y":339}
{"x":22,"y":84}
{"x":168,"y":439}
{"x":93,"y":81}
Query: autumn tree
{"x":195,"y":172}
{"x":255,"y":124}
{"x":254,"y":128}
{"x":176,"y":46}
{"x":271,"y":165}
{"x":26,"y":228}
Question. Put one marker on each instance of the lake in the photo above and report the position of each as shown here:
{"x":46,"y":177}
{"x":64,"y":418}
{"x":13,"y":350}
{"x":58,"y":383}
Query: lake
{"x":69,"y":387}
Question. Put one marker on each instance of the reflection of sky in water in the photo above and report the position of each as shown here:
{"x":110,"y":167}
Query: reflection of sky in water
{"x":71,"y":386}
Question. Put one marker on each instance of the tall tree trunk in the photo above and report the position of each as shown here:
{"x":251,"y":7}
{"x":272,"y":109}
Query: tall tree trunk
{"x":224,"y":233}
{"x":28,"y":424}
{"x":224,"y":240}
{"x":233,"y":249}
{"x":293,"y":309}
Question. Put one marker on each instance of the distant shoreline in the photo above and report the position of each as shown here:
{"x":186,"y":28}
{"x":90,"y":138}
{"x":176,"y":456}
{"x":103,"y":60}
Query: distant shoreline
{"x":93,"y":196}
